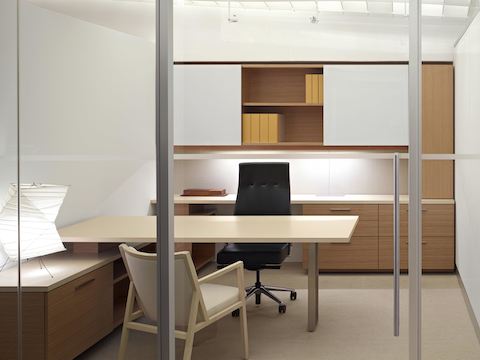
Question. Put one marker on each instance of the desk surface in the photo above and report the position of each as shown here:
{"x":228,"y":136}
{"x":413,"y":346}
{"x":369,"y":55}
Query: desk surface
{"x":309,"y":199}
{"x":215,"y":229}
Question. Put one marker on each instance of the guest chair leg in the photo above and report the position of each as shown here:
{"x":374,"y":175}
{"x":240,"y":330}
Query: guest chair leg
{"x":127,"y":317}
{"x":243,"y":329}
{"x":187,"y":352}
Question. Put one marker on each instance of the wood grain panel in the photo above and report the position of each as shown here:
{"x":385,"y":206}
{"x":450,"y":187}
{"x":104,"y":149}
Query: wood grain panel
{"x":275,"y":84}
{"x":360,"y":254}
{"x":79,"y":314}
{"x":438,"y":220}
{"x":437,"y":179}
{"x":438,"y":129}
{"x":368,"y":215}
{"x":437,"y":253}
{"x":437,"y":108}
{"x":33,"y":308}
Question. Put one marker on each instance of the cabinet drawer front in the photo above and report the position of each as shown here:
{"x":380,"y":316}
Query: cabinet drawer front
{"x":437,"y":220}
{"x":360,"y":254}
{"x":81,"y":310}
{"x":437,"y":253}
{"x":368,"y":215}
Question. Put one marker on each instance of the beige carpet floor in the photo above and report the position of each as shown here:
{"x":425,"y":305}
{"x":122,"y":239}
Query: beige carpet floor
{"x":355,"y":324}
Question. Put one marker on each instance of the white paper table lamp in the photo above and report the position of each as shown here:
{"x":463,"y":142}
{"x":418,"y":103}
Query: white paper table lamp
{"x":39,"y":207}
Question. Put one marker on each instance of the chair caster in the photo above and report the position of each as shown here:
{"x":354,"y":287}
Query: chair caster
{"x":236,"y":313}
{"x":257,"y":299}
{"x":293,"y":295}
{"x":282,"y":308}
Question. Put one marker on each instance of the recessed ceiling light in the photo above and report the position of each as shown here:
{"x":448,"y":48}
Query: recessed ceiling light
{"x":355,"y":6}
{"x":432,"y":10}
{"x":330,"y":6}
{"x":455,"y":11}
{"x":377,"y":7}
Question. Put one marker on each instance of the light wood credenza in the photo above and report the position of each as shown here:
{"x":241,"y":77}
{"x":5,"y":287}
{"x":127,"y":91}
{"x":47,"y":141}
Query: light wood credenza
{"x":65,"y":315}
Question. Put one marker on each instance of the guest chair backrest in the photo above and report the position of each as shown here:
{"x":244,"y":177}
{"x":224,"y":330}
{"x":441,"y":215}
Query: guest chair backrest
{"x":263,"y":189}
{"x":142,"y":271}
{"x":187,"y":291}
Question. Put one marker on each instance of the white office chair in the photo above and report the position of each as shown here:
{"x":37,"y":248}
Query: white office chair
{"x":198,"y":303}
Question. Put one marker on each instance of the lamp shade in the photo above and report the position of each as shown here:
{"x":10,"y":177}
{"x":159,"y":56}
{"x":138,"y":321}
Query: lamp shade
{"x":39,"y":206}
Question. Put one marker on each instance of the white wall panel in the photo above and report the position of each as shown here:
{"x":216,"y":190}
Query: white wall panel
{"x":207,"y":105}
{"x":467,"y":172}
{"x":365,"y":105}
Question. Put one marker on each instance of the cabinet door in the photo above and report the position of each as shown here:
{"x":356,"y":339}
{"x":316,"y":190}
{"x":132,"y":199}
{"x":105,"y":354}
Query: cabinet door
{"x":366,"y":105}
{"x":207,"y":105}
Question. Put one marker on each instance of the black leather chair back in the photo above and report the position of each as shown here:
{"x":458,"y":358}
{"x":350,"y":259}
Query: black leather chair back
{"x":263,"y":189}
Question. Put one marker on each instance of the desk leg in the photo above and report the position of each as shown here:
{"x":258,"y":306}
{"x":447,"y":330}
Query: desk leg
{"x":312,"y":286}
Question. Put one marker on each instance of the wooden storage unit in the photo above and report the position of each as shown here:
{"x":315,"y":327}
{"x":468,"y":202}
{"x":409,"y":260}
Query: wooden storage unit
{"x":438,"y":243}
{"x":282,"y":90}
{"x":61,"y":322}
{"x":78,"y":314}
{"x":202,"y":253}
{"x":371,"y":248}
{"x":438,"y":129}
{"x":33,"y":325}
{"x":361,"y":254}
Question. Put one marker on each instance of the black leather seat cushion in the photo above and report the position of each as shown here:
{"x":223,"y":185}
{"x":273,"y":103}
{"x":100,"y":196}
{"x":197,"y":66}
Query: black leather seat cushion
{"x":254,"y":256}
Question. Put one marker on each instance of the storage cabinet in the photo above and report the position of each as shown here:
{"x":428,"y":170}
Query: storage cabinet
{"x":63,"y":322}
{"x":366,"y":105}
{"x":361,"y":254}
{"x":371,"y":247}
{"x":283,"y":90}
{"x":80,"y":310}
{"x":207,"y":105}
{"x":438,"y":243}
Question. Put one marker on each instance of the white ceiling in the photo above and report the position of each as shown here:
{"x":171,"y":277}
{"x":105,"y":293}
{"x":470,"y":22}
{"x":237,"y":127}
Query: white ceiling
{"x":433,"y":8}
{"x":137,"y":17}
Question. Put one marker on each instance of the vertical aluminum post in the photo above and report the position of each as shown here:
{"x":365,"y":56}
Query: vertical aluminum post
{"x":415,"y":181}
{"x":164,"y":171}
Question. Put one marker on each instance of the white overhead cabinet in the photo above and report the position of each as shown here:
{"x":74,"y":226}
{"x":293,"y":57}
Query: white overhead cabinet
{"x":365,"y":105}
{"x":207,"y":105}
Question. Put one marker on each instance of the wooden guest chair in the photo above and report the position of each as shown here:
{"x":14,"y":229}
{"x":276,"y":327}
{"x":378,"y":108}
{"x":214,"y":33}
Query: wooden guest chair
{"x":198,"y":303}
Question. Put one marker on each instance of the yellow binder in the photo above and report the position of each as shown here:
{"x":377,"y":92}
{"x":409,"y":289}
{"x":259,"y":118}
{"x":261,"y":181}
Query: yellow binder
{"x":264,"y":128}
{"x":320,"y":89}
{"x":315,"y":89}
{"x":246,"y":129}
{"x":273,"y":128}
{"x":255,"y":128}
{"x":308,"y":88}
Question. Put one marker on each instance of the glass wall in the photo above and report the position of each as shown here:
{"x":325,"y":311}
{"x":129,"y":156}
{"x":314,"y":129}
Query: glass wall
{"x":10,"y":295}
{"x":449,"y":167}
{"x":323,"y":87}
{"x":87,"y":150}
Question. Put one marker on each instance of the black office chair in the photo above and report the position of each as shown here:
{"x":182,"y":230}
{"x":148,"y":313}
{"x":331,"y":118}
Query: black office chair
{"x":263,"y":189}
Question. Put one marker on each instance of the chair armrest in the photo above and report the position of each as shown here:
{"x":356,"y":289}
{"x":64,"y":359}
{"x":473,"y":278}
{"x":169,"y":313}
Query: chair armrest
{"x":235,"y":266}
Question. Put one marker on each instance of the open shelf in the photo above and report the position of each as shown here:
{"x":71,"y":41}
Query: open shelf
{"x":280,"y":104}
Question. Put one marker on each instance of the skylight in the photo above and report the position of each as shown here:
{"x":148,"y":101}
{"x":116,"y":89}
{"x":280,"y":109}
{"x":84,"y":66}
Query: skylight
{"x":430,"y":8}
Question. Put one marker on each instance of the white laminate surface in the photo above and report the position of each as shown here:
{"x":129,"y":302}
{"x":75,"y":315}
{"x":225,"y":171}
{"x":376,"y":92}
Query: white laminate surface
{"x":310,"y":199}
{"x":213,"y":229}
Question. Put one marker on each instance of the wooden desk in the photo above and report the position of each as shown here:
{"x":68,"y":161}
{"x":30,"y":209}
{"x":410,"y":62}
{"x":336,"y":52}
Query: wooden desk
{"x":220,"y":229}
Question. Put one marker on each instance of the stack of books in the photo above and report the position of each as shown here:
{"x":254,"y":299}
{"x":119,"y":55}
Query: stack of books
{"x":262,"y":128}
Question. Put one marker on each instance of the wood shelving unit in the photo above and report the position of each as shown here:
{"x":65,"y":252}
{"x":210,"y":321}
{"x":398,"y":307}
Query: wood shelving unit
{"x":280,"y":104}
{"x":282,"y":90}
